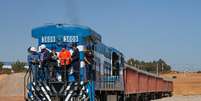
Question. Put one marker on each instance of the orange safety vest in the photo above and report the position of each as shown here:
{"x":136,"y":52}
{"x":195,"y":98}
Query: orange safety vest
{"x":64,"y":57}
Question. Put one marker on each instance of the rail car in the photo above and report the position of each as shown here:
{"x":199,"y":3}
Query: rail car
{"x":144,"y":86}
{"x":112,"y":79}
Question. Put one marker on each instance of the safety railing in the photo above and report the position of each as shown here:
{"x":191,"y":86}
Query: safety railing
{"x":27,"y":80}
{"x":109,"y":83}
{"x":55,"y":86}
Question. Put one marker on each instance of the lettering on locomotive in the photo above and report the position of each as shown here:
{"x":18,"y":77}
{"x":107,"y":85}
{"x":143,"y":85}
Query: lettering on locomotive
{"x":52,"y":39}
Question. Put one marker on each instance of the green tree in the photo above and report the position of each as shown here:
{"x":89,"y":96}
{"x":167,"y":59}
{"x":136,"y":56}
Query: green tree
{"x":18,"y":66}
{"x":130,"y":62}
{"x":150,"y":66}
{"x":1,"y":66}
{"x":6,"y":71}
{"x":163,"y":66}
{"x":133,"y":62}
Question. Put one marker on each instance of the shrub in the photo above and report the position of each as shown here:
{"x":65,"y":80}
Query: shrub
{"x":6,"y":71}
{"x":198,"y":71}
{"x":1,"y":67}
{"x":18,"y":66}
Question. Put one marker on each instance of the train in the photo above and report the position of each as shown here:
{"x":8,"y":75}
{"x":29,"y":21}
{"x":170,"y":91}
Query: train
{"x":112,"y":79}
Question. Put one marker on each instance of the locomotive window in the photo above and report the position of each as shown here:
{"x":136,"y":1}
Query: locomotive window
{"x":97,"y":63}
{"x":115,"y":64}
{"x":107,"y":69}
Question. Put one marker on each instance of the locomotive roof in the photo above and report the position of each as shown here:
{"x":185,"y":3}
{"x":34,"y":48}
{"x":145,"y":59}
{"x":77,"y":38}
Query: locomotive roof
{"x":63,"y":29}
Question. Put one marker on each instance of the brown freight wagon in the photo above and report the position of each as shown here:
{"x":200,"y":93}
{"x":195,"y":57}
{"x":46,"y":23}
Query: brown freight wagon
{"x":140,"y":85}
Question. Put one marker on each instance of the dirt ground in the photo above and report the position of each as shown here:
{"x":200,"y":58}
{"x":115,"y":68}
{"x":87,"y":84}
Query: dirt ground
{"x":181,"y":98}
{"x":11,"y":87}
{"x":187,"y":87}
{"x":11,"y":98}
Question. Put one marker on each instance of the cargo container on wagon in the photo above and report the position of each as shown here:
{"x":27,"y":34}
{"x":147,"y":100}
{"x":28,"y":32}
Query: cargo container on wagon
{"x":142,"y":85}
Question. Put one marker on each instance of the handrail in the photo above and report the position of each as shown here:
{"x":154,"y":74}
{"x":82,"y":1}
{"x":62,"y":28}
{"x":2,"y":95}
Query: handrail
{"x":26,"y":78}
{"x":109,"y":82}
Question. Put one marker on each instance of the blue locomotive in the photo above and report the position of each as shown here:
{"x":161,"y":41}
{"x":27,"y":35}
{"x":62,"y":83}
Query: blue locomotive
{"x":103,"y":82}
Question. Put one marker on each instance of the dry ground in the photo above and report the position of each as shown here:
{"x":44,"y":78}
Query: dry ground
{"x":11,"y":98}
{"x":182,"y":98}
{"x":187,"y":87}
{"x":11,"y":87}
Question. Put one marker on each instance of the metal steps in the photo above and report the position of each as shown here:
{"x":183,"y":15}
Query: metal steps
{"x":42,"y":91}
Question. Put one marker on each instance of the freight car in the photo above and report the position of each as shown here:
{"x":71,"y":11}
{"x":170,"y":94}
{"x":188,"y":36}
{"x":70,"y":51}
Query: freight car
{"x":144,"y":86}
{"x":111,"y":79}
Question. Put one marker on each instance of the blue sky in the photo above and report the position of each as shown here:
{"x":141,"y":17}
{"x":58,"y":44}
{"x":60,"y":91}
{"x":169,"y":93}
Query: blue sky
{"x":142,"y":29}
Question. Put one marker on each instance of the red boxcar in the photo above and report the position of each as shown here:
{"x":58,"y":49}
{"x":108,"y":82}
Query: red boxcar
{"x":152,"y":84}
{"x":143,"y":86}
{"x":140,"y":82}
{"x":131,"y":81}
{"x":160,"y":84}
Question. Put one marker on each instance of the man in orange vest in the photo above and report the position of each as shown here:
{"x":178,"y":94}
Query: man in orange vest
{"x":65,"y":58}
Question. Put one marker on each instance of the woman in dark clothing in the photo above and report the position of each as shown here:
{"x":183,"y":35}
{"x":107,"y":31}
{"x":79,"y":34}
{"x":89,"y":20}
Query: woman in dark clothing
{"x":89,"y":65}
{"x":76,"y":61}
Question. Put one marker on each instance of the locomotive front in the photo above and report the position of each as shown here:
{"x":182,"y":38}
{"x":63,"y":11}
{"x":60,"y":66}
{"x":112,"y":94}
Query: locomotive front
{"x":57,"y":37}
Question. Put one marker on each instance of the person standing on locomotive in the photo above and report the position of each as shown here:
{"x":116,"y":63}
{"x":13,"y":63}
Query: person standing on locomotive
{"x":53,"y":64}
{"x":33,"y":61}
{"x":64,"y":57}
{"x":76,"y":62}
{"x":89,"y":64}
{"x":44,"y":59}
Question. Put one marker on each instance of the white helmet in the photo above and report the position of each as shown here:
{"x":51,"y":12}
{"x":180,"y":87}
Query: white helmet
{"x":33,"y":49}
{"x":42,"y":46}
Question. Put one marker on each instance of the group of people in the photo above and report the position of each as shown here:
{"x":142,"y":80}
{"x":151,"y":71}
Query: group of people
{"x":50,"y":65}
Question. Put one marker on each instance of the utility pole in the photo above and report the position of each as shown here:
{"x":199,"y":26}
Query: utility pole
{"x":162,"y":67}
{"x":157,"y":70}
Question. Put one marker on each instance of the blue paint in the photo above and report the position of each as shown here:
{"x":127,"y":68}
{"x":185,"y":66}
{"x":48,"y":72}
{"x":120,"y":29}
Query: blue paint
{"x":59,"y":36}
{"x":91,"y":89}
{"x":59,"y":31}
{"x":71,"y":78}
{"x":82,"y":56}
{"x":82,"y":74}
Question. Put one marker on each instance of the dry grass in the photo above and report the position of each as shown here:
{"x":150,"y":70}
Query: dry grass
{"x":186,"y":83}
